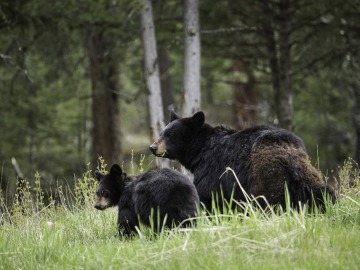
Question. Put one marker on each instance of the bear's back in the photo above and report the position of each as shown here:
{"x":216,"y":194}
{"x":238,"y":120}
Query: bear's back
{"x":229,"y":144}
{"x":169,"y":191}
{"x":278,"y":136}
{"x":161,"y":185}
{"x":225,"y":147}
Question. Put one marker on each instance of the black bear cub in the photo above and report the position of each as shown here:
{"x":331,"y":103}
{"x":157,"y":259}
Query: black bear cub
{"x":163,"y":195}
{"x":264,"y":159}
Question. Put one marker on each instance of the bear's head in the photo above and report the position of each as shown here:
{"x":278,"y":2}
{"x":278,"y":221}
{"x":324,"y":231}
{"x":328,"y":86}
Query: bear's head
{"x":177,"y":136}
{"x":110,"y":187}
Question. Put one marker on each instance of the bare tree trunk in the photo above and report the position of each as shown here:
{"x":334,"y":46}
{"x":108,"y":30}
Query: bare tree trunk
{"x":151,"y":70}
{"x":104,"y":74}
{"x":245,"y":97}
{"x":191,"y":80}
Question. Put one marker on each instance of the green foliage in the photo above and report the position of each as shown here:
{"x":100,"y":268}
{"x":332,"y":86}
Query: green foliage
{"x":39,"y":194}
{"x":141,"y":163}
{"x":23,"y":202}
{"x":84,"y":190}
{"x":28,"y":201}
{"x":86,"y":186}
{"x":326,"y":128}
{"x":349,"y":174}
{"x":45,"y":107}
{"x":101,"y":167}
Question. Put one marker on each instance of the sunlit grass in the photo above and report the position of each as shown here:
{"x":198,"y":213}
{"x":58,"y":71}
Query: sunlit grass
{"x":86,"y":239}
{"x":80,"y":237}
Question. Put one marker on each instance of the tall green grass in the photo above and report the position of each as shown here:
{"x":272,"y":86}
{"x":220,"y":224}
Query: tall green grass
{"x":63,"y":235}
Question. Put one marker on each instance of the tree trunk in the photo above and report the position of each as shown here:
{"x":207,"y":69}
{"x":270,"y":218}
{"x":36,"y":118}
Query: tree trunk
{"x":279,"y":55}
{"x":356,"y":121}
{"x":284,"y":95}
{"x":269,"y":35}
{"x":151,"y":70}
{"x":191,"y":80}
{"x":167,"y":88}
{"x":32,"y":129}
{"x":245,"y":96}
{"x":104,"y":75}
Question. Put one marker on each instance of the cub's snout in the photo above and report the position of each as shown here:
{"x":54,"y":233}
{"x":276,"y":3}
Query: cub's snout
{"x":102,"y":203}
{"x":98,"y":207}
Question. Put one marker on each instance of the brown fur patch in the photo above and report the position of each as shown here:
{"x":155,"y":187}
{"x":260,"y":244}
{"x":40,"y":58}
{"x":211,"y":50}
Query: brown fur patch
{"x":270,"y":170}
{"x":161,"y":148}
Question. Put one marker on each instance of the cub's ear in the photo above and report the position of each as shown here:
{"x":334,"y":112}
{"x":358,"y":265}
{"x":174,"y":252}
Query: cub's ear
{"x":173,"y":116}
{"x":98,"y":175}
{"x":115,"y":170}
{"x":198,"y":119}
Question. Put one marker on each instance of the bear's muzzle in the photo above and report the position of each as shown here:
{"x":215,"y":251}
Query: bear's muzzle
{"x":153,"y":148}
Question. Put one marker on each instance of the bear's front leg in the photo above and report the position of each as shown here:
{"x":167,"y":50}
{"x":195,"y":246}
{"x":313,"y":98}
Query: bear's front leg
{"x":127,"y":221}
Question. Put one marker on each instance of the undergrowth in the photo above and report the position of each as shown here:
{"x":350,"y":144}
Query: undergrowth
{"x":349,"y":175}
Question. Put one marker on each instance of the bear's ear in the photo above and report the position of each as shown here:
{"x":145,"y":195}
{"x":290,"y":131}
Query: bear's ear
{"x":198,"y":119}
{"x":173,"y":116}
{"x":98,"y":175}
{"x":115,"y":170}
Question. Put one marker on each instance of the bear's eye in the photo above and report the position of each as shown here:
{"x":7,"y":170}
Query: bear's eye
{"x":105,"y":193}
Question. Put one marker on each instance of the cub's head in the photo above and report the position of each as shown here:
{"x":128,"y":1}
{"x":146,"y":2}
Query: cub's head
{"x":175,"y":138}
{"x":110,"y":187}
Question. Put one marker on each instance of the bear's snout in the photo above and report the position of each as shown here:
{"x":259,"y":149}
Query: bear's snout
{"x":153,"y":148}
{"x":158,"y":148}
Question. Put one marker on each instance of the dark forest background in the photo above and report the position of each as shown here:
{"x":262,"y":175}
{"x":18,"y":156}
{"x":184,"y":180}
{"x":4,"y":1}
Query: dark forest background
{"x":72,"y":82}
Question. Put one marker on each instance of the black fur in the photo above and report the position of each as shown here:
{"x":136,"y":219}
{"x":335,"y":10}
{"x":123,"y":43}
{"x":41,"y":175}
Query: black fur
{"x":263,"y":158}
{"x":168,"y":193}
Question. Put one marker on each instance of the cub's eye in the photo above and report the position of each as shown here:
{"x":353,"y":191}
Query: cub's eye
{"x":105,"y":193}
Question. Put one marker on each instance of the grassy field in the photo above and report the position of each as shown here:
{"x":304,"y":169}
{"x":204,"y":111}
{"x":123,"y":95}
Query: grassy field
{"x":80,"y":237}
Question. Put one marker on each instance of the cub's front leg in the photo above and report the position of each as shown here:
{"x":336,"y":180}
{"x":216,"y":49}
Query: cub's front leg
{"x":127,"y":221}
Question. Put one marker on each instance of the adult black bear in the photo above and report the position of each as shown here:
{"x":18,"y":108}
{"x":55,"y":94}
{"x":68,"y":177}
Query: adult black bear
{"x":166,"y":195}
{"x":263,"y":158}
